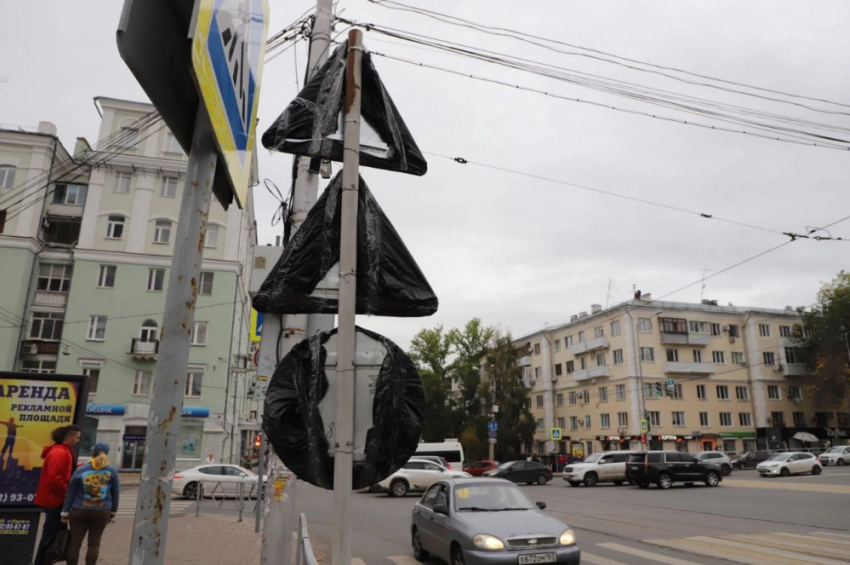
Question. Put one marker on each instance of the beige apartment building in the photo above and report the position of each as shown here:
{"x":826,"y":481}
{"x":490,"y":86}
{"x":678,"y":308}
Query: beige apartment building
{"x":703,"y":376}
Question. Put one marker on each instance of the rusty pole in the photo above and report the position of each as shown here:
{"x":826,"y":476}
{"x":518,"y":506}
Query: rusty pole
{"x":147,"y":546}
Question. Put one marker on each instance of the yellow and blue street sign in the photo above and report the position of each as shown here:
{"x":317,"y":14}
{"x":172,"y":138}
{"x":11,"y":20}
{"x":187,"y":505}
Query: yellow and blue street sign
{"x":228,"y":48}
{"x":256,"y":325}
{"x":555,"y":434}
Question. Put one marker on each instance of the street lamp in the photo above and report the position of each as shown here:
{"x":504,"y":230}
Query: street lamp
{"x":636,"y":345}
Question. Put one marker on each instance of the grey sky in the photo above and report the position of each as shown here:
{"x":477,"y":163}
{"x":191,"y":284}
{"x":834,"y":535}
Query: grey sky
{"x":516,"y":251}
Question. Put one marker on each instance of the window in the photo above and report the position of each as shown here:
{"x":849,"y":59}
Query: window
{"x":142,"y":383}
{"x":615,"y":328}
{"x":7,"y":177}
{"x":603,"y":394}
{"x":156,"y":279}
{"x":622,"y":419}
{"x":677,"y":391}
{"x":764,"y":330}
{"x":106,"y":276}
{"x":722,"y":392}
{"x":795,"y":392}
{"x":562,"y":422}
{"x":539,"y":424}
{"x":47,"y":325}
{"x":673,"y":325}
{"x":94,"y":376}
{"x":539,"y":400}
{"x":745,"y":419}
{"x":199,"y":334}
{"x":559,"y":399}
{"x":162,"y":231}
{"x":618,"y":356}
{"x":620,"y":392}
{"x":605,"y":420}
{"x":583,"y":363}
{"x":585,"y":395}
{"x":587,"y":422}
{"x":734,"y":331}
{"x":97,"y":328}
{"x":206,"y":286}
{"x":701,"y":392}
{"x":54,"y":278}
{"x":193,"y":382}
{"x":679,"y":419}
{"x":598,"y":332}
{"x":647,"y":354}
{"x":715,"y":330}
{"x":71,"y":194}
{"x":573,"y":422}
{"x":568,"y":341}
{"x":600,"y":359}
{"x":40,"y":366}
{"x":777,"y":419}
{"x":557,"y":345}
{"x":211,"y":239}
{"x":726,"y":419}
{"x":128,"y":137}
{"x":697,"y":356}
{"x":169,"y":187}
{"x":703,"y":420}
{"x":799,"y":418}
{"x":785,"y":331}
{"x":2,"y":221}
{"x":673,"y":355}
{"x":570,"y":366}
{"x":537,"y":349}
{"x":581,"y":337}
{"x":718,"y":357}
{"x":791,"y":355}
{"x":171,"y":145}
{"x":644,"y":325}
{"x":773,"y":392}
{"x":738,"y":358}
{"x":123,"y":182}
{"x":699,"y":327}
{"x":115,"y":227}
{"x":572,"y":398}
{"x":654,"y":418}
{"x":538,"y":372}
{"x":559,"y":369}
{"x":742,"y":393}
{"x":769,"y":358}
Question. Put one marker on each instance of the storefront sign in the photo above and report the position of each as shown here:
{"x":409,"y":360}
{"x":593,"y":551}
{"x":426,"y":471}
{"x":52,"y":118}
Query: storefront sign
{"x":105,"y":410}
{"x":135,"y":437}
{"x":748,"y":435}
{"x":195,"y":412}
{"x":18,"y":530}
{"x":836,"y":432}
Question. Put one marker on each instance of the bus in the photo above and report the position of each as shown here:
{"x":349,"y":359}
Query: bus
{"x":450,"y":449}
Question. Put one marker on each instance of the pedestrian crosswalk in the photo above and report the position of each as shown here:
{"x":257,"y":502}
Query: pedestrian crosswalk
{"x":773,"y":548}
{"x":127,"y":505}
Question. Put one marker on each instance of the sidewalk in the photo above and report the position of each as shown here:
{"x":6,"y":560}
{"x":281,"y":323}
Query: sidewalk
{"x":191,"y":540}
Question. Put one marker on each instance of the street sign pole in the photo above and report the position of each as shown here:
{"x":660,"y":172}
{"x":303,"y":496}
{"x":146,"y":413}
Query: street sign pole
{"x":154,"y":501}
{"x":260,"y":490}
{"x":344,"y":441}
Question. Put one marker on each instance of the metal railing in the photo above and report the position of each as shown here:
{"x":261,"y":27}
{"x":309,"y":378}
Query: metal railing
{"x":304,"y":550}
{"x":220,"y":495}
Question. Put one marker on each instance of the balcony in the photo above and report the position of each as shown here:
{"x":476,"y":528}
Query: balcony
{"x":53,"y":299}
{"x":31,"y":348}
{"x":792,"y":369}
{"x":145,"y":350}
{"x":669,"y":338}
{"x":594,"y":373}
{"x":588,"y":346}
{"x":689,"y":368}
{"x":525,"y":361}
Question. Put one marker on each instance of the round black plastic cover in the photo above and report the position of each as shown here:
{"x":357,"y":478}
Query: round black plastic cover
{"x":295,"y":429}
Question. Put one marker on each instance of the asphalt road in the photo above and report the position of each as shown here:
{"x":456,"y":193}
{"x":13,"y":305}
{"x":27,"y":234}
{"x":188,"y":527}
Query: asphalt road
{"x":748,"y":519}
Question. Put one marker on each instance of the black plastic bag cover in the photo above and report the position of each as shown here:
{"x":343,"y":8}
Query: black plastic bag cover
{"x":295,"y":429}
{"x":303,"y":127}
{"x":389,"y":282}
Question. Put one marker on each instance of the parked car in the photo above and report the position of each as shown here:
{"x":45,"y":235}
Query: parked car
{"x":478,"y":469}
{"x":838,"y":455}
{"x":664,"y":468}
{"x":417,"y":475}
{"x":790,"y":463}
{"x":716,"y":457}
{"x":750,"y":459}
{"x":522,"y":472}
{"x":219,"y":480}
{"x":435,"y":459}
{"x":607,"y":467}
{"x":480,"y":522}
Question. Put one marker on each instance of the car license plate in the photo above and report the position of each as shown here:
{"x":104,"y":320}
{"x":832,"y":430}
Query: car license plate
{"x":537,"y":558}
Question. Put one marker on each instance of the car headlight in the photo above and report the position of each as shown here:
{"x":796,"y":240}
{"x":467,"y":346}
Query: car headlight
{"x":568,"y":537}
{"x":486,"y":541}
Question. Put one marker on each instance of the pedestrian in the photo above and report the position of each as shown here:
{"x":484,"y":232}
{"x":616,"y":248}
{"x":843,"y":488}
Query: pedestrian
{"x":562,"y":462}
{"x":91,"y":502}
{"x":210,"y":458}
{"x":53,"y":482}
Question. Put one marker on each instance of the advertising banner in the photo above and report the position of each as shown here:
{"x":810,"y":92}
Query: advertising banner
{"x":32,"y":406}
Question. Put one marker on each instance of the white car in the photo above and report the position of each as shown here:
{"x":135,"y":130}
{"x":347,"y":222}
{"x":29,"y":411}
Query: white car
{"x":219,"y":479}
{"x":718,"y":458}
{"x":603,"y":467}
{"x":417,"y":475}
{"x":790,"y":463}
{"x":838,"y":455}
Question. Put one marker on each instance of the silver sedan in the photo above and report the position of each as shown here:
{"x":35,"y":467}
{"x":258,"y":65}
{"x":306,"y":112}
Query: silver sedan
{"x":488,"y":522}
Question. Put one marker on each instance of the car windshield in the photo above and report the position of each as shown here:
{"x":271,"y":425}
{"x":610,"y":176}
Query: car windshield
{"x":593,"y":458}
{"x":836,"y":450}
{"x":781,"y":457}
{"x":506,"y":464}
{"x":491,"y":498}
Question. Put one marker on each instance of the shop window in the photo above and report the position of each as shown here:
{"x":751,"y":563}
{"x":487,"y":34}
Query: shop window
{"x":191,"y":439}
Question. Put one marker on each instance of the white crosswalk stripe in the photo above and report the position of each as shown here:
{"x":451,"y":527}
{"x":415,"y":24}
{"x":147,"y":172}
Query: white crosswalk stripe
{"x":127,"y":505}
{"x":645,"y":554}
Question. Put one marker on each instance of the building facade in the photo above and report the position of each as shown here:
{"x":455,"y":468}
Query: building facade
{"x":91,"y":262}
{"x":702,"y":376}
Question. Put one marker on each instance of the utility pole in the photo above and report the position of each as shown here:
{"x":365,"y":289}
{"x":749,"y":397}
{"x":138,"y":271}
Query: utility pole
{"x":344,"y":441}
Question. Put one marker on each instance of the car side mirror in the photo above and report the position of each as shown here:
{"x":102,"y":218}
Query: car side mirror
{"x":441,"y":509}
{"x":541,"y":505}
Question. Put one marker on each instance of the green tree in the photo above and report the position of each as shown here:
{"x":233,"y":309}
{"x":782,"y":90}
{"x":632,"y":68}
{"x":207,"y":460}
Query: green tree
{"x":430,"y":349}
{"x":823,"y":335}
{"x":469,"y":344}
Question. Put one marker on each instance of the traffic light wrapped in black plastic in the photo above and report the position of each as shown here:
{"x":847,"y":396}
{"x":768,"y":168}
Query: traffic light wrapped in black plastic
{"x":294,"y":425}
{"x":389,"y":282}
{"x":311,"y":125}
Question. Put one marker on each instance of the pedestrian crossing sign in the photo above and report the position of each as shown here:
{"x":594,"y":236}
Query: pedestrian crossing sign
{"x":228,"y":47}
{"x":555,"y":434}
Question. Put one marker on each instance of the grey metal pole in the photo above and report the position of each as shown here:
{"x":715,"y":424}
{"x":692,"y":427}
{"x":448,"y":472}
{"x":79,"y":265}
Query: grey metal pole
{"x":152,"y":508}
{"x":260,"y":490}
{"x":344,"y":440}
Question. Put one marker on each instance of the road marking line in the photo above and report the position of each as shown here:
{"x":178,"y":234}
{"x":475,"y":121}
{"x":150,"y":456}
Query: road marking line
{"x":712,"y":550}
{"x":776,"y":484}
{"x":645,"y":554}
{"x":357,"y":561}
{"x":773,"y":552}
{"x":831,"y":534}
{"x":598,"y":559}
{"x":829,"y":542}
{"x":403,"y":559}
{"x":790,"y":544}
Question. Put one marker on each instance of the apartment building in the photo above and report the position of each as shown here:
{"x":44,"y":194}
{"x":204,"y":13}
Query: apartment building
{"x":88,"y":266}
{"x":703,"y":376}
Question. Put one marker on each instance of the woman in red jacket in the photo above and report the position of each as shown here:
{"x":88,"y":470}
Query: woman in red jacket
{"x":55,"y":474}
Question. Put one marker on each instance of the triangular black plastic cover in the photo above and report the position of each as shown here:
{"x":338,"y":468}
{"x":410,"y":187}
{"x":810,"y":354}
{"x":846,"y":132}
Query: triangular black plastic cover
{"x":389,"y":282}
{"x":303,"y":128}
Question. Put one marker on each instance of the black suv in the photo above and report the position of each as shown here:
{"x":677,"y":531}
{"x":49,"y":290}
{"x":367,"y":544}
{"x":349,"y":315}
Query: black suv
{"x":667,"y":467}
{"x":750,"y":459}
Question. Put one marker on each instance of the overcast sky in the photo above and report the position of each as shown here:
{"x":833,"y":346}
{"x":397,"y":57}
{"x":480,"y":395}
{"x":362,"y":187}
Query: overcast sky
{"x":516,"y":251}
